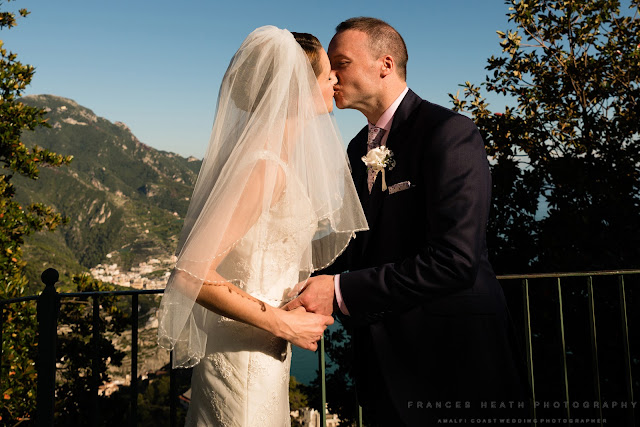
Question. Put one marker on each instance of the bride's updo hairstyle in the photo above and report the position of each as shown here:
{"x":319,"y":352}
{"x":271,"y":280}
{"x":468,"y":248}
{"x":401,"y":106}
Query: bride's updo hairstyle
{"x":246,"y":76}
{"x":254,"y":85}
{"x":311,"y":46}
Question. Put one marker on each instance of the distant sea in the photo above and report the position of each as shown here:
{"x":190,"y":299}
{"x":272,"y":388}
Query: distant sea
{"x":304,"y":363}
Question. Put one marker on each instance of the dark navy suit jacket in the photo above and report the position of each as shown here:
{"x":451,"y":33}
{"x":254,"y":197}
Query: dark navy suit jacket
{"x":428,"y":317}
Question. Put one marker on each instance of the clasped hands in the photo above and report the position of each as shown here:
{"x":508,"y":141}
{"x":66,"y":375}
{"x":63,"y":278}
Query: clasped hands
{"x":311,"y":311}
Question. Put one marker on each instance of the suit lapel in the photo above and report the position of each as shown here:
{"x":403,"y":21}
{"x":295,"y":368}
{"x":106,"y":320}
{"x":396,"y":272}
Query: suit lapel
{"x":397,"y":136}
{"x":357,"y":149}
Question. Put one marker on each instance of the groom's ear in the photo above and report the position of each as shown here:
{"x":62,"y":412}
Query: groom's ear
{"x":388,"y":65}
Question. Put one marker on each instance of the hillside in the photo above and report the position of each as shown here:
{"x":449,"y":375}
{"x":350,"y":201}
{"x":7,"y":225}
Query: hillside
{"x":125,"y":200}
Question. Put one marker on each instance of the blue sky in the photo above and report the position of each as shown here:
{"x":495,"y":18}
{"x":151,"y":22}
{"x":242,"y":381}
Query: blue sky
{"x":157,"y":65}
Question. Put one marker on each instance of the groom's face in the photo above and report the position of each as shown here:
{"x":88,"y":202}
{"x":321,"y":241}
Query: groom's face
{"x":357,"y":70}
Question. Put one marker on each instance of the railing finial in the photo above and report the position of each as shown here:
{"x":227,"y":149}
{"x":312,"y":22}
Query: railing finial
{"x":50,"y":276}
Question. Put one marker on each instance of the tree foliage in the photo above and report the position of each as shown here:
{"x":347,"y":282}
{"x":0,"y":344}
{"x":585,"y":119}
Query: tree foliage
{"x":570,"y":142}
{"x":565,"y":160}
{"x":154,"y":403}
{"x":297,"y":396}
{"x":81,"y":355}
{"x":340,"y":385}
{"x":16,"y":222}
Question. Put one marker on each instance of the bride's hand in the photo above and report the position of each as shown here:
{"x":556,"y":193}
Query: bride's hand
{"x":302,"y":328}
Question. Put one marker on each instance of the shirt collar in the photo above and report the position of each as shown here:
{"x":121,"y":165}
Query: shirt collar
{"x":386,"y":118}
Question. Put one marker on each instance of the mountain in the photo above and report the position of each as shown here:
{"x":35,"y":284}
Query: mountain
{"x":125,"y":200}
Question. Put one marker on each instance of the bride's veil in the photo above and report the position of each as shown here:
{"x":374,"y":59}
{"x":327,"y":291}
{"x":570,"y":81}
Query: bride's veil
{"x":271,"y":131}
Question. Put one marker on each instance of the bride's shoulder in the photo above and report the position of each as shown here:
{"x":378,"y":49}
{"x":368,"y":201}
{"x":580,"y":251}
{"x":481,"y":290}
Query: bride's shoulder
{"x":266,"y":171}
{"x":266,"y":157}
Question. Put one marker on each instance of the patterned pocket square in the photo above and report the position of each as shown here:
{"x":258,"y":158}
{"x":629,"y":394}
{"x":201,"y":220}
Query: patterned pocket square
{"x":401,"y":186}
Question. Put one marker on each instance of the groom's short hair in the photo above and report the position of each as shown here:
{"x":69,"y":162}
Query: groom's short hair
{"x":383,"y":39}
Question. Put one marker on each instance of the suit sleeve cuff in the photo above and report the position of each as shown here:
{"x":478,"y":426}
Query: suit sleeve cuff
{"x":341,"y":304}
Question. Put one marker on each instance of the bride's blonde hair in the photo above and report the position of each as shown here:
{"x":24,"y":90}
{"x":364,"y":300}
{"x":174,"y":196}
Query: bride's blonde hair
{"x":311,"y":46}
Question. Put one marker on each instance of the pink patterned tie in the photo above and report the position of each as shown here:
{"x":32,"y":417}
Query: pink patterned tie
{"x":373,"y":141}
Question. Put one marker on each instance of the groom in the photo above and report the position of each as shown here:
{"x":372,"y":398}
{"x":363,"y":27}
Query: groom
{"x":430,"y":327}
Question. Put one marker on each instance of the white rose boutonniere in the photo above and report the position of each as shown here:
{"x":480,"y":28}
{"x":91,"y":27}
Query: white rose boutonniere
{"x":378,"y":160}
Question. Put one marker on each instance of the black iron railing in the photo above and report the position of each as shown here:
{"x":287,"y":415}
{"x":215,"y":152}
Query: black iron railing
{"x":588,"y":298}
{"x":48,"y":303}
{"x":48,"y":306}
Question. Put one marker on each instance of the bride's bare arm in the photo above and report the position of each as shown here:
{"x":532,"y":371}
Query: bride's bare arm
{"x":297,"y":326}
{"x":219,"y":295}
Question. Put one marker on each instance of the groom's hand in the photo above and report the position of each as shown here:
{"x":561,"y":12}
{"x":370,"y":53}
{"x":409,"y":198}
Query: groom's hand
{"x":316,"y":296}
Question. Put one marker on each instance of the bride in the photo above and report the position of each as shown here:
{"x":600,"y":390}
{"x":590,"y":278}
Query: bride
{"x":273,"y":202}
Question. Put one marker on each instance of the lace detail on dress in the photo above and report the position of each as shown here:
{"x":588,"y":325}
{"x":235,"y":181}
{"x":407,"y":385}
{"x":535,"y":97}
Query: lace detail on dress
{"x":210,"y":404}
{"x":256,"y":368}
{"x":217,"y":406}
{"x":221,"y":365}
{"x":265,"y":415}
{"x":277,"y":394}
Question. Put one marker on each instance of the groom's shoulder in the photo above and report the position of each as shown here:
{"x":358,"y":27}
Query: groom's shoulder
{"x":434,"y":116}
{"x":439,"y":112}
{"x":434,"y":111}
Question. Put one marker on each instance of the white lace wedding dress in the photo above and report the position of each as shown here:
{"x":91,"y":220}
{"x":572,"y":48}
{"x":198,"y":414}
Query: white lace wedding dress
{"x":243,"y":380}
